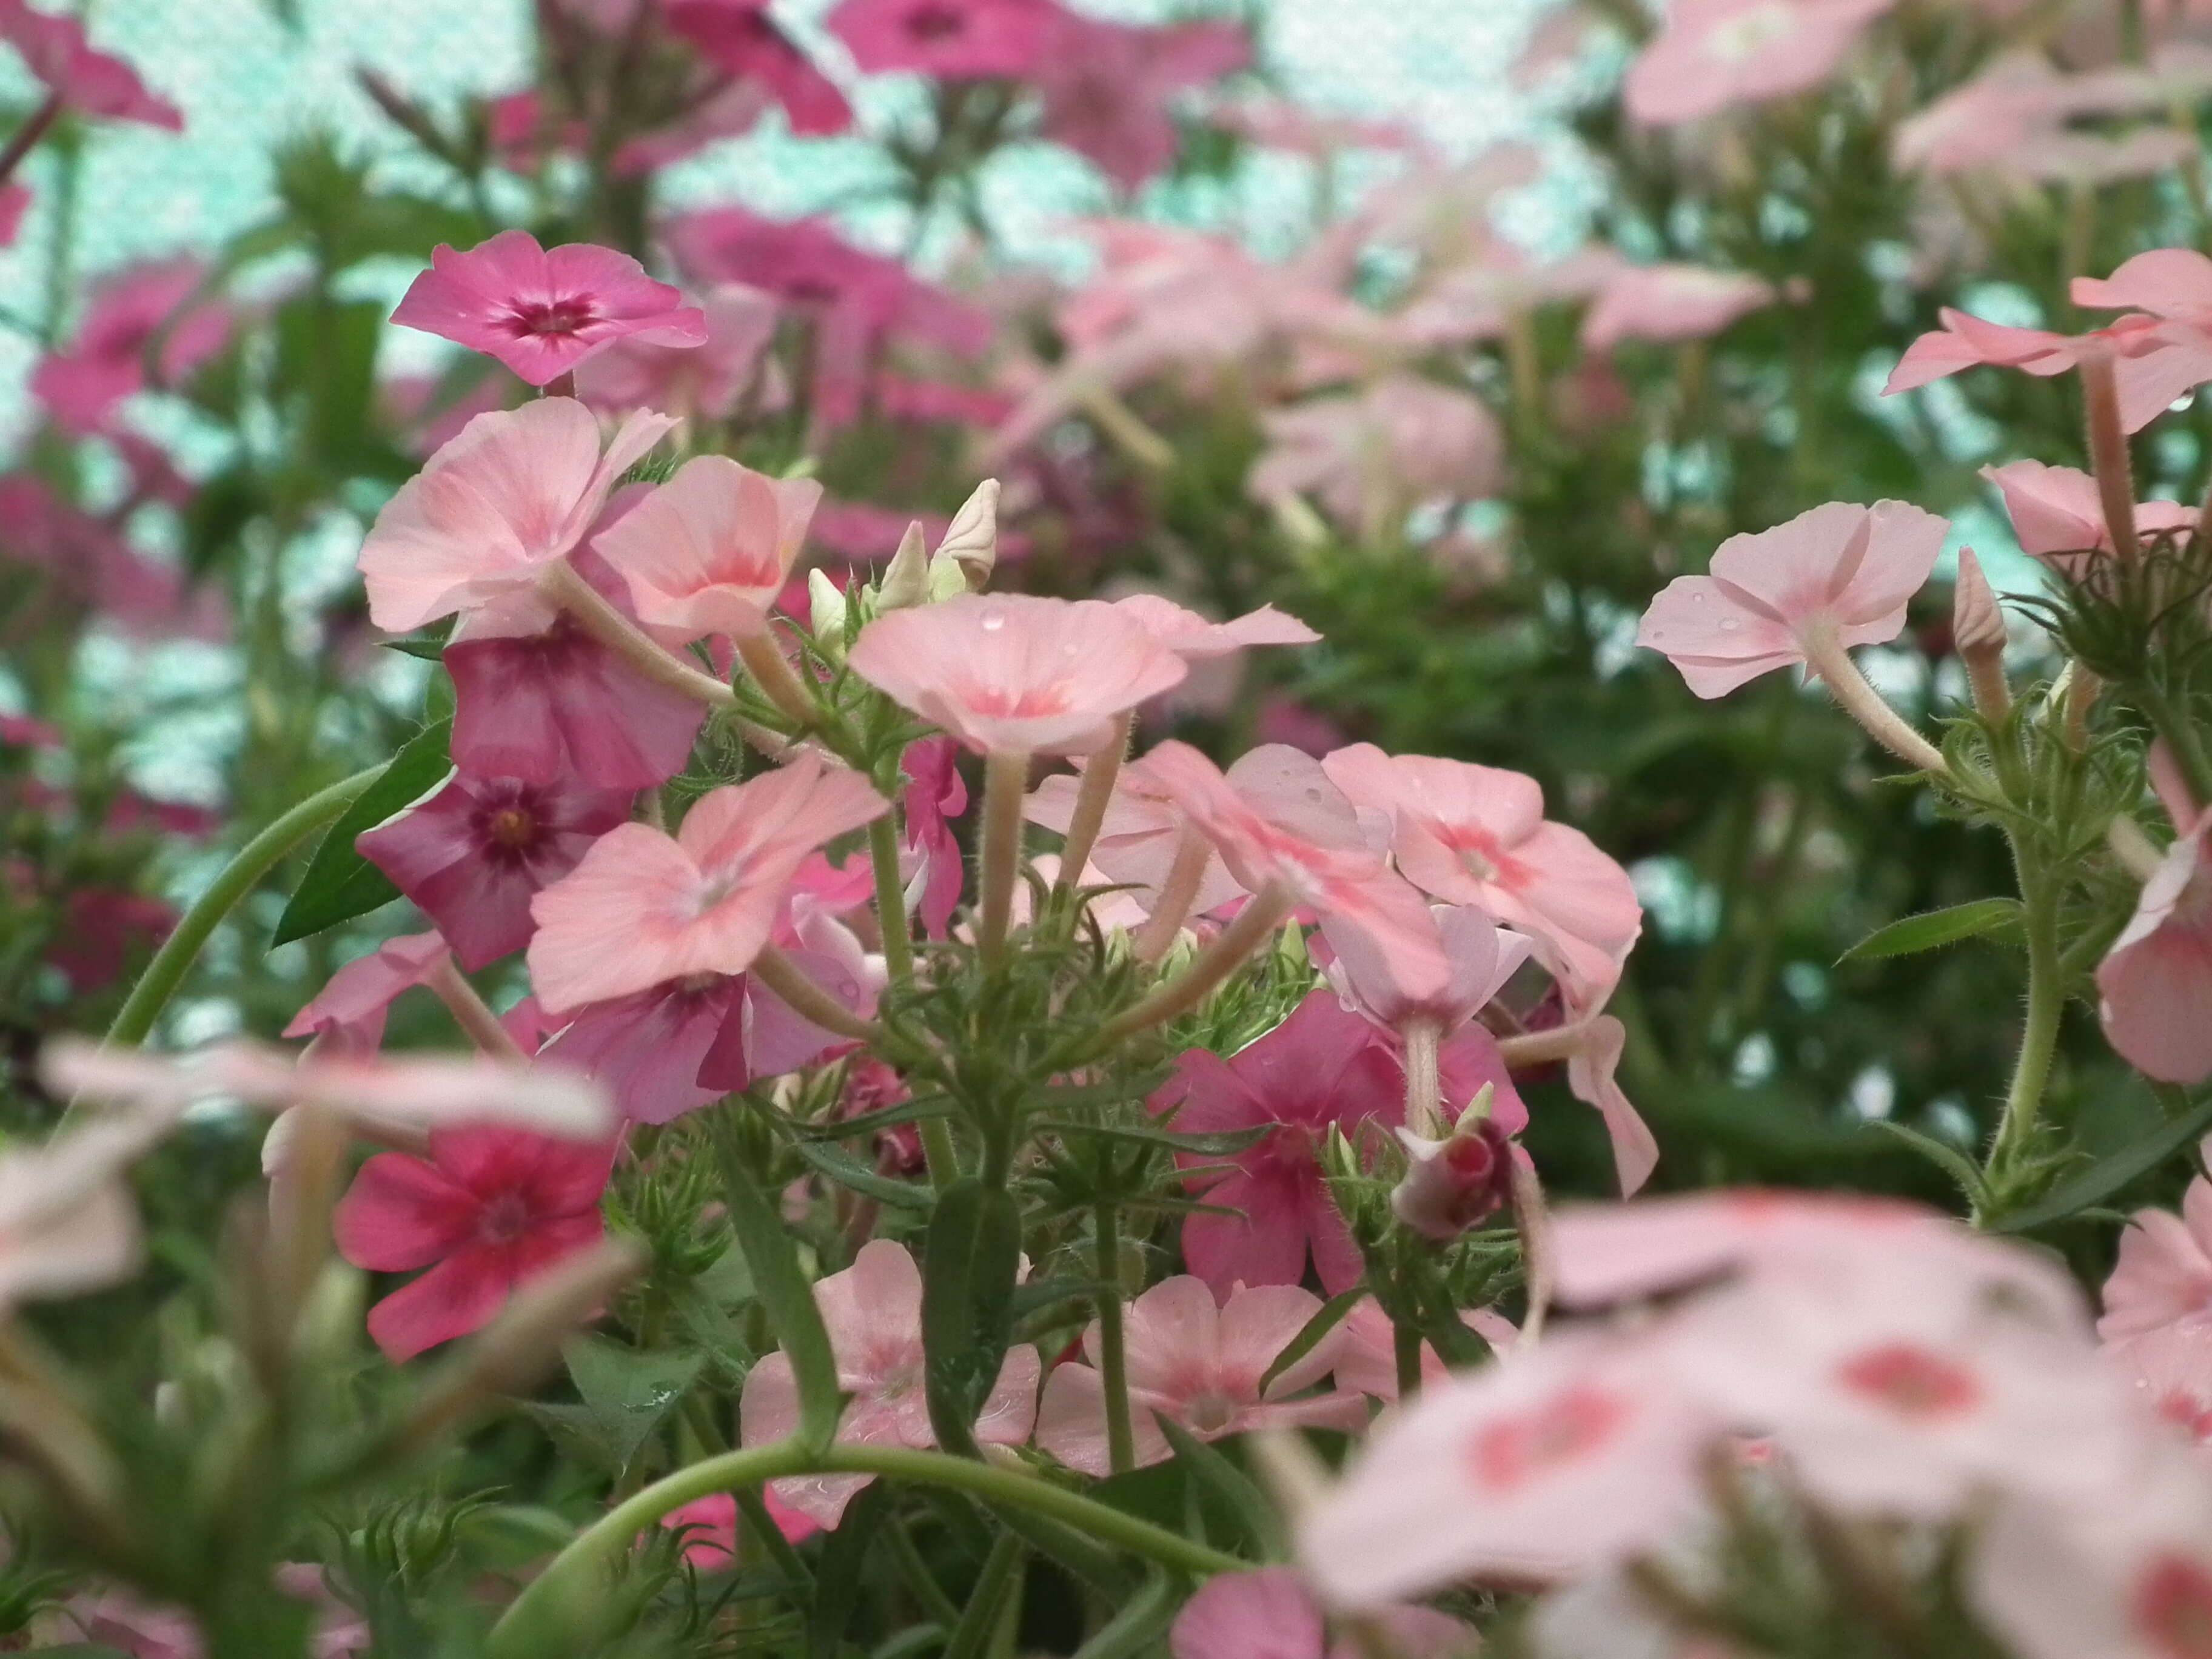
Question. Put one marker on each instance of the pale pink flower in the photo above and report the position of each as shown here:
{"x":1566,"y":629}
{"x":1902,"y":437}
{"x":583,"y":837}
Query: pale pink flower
{"x":1483,"y":957}
{"x":708,"y":551}
{"x":1195,"y":639}
{"x":873,"y":1313}
{"x":1107,"y":87}
{"x":2154,"y":362}
{"x":2056,"y":511}
{"x":107,"y":360}
{"x":1269,"y":1614}
{"x":2015,"y":118}
{"x":518,"y":489}
{"x":2174,"y":286}
{"x":1714,"y":54}
{"x":1670,"y":302}
{"x":643,"y":906}
{"x":1280,"y":123}
{"x":2154,"y":985}
{"x":1400,"y":441}
{"x":709,"y":1526}
{"x":1014,"y":673}
{"x":708,"y":381}
{"x":1198,"y":1365}
{"x":93,"y":82}
{"x":1367,"y":1360}
{"x":2171,"y":1370}
{"x":1839,"y":567}
{"x":952,"y":39}
{"x":1137,"y":841}
{"x":2163,"y":1274}
{"x":350,"y":1008}
{"x":543,"y":312}
{"x":68,"y":1219}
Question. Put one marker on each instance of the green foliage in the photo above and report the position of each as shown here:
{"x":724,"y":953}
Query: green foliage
{"x":339,"y":884}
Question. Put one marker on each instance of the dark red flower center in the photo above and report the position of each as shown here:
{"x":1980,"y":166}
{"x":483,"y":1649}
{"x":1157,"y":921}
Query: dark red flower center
{"x":560,"y":316}
{"x":512,"y":827}
{"x":1911,"y":1381}
{"x":504,"y":1220}
{"x":933,"y":23}
{"x":2172,"y":1609}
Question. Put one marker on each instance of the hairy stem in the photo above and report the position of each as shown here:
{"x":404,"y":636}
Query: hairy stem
{"x":2108,"y":453}
{"x":1423,"y":1089}
{"x":1833,"y":664}
{"x":1172,"y":906}
{"x":778,"y":680}
{"x":2039,"y":1036}
{"x":1255,"y":925}
{"x":1091,"y":798}
{"x":890,"y":900}
{"x":1005,"y":775}
{"x":559,"y":585}
{"x":1112,"y":1356}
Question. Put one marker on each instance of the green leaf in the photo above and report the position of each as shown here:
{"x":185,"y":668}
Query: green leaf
{"x":217,"y":514}
{"x":629,"y":1393}
{"x":2108,"y":1175}
{"x":341,"y":885}
{"x":837,"y":1164}
{"x":1331,"y":1313}
{"x":1236,"y":1491}
{"x":1950,"y":1159}
{"x":1225,"y":1143}
{"x":1935,"y":928}
{"x":1137,"y":1630}
{"x":973,"y":1255}
{"x":844,"y":1563}
{"x":326,"y":361}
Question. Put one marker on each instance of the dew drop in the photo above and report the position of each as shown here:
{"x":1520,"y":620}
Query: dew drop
{"x":994,"y":623}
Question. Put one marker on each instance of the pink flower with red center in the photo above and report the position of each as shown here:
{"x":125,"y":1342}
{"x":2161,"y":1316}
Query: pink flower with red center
{"x":2056,"y":511}
{"x":1269,"y":1614}
{"x":1108,"y":87}
{"x":2163,"y":1274}
{"x":473,"y":855}
{"x":92,"y":82}
{"x":2171,"y":1370}
{"x":157,"y":309}
{"x":643,"y":906}
{"x":1670,"y":302}
{"x":490,"y":1210}
{"x":1838,"y":574}
{"x":873,"y":1313}
{"x":740,"y":38}
{"x":2156,"y":983}
{"x":349,"y":1010}
{"x":953,"y":40}
{"x":1714,"y":54}
{"x":1014,"y":673}
{"x":541,"y":311}
{"x":490,"y":511}
{"x":708,"y":381}
{"x":1198,"y":1364}
{"x":709,"y":1526}
{"x":708,"y":551}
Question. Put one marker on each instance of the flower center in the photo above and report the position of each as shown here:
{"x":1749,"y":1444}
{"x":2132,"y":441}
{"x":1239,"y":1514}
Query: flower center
{"x":2172,"y":1609}
{"x":561,"y":317}
{"x":505,"y":1218}
{"x":1513,"y":1452}
{"x":512,"y":827}
{"x":2188,"y":1412}
{"x":1911,"y":1381}
{"x":1211,"y":1411}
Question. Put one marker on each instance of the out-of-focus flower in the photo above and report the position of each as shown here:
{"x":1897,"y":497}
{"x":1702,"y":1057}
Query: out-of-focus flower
{"x":2057,"y":515}
{"x":742,"y":39}
{"x":542,"y":311}
{"x":952,"y":39}
{"x":935,"y":793}
{"x":708,"y":381}
{"x":350,"y":1008}
{"x":90,"y":81}
{"x":2171,"y":1370}
{"x":490,"y":1210}
{"x":1840,"y":567}
{"x":2163,"y":1274}
{"x":644,"y":907}
{"x":1015,"y":673}
{"x":873,"y":1313}
{"x":1668,"y":302}
{"x":15,"y":203}
{"x":709,"y":1526}
{"x":1107,"y":86}
{"x":473,"y":856}
{"x":518,"y":489}
{"x":2153,"y":362}
{"x":1279,"y":123}
{"x":1269,"y":1614}
{"x":127,"y":313}
{"x":1372,"y":454}
{"x":2155,"y":983}
{"x":708,"y":551}
{"x":2013,"y":119}
{"x":1712,"y":55}
{"x":1198,"y":1364}
{"x":101,"y":929}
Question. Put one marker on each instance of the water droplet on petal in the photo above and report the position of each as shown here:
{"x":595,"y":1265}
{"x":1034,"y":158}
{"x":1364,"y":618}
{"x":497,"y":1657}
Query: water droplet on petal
{"x":994,"y":623}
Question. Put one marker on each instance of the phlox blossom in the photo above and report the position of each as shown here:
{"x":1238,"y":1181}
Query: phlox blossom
{"x":350,"y":1008}
{"x":953,"y":40}
{"x":1107,"y":87}
{"x":2057,"y":514}
{"x":1667,"y":302}
{"x":105,"y":361}
{"x":2155,"y":983}
{"x":1711,"y":55}
{"x":708,"y":381}
{"x":1269,"y":1614}
{"x":708,"y":551}
{"x":2163,"y":1274}
{"x":89,"y":81}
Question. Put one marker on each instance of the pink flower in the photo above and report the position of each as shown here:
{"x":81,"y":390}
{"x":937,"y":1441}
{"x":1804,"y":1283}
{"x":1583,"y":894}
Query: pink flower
{"x":1455,"y":1183}
{"x":543,"y":313}
{"x":2174,"y":285}
{"x":490,"y":1210}
{"x":474,"y":855}
{"x":2056,"y":511}
{"x":1714,"y":54}
{"x":1199,"y":1365}
{"x":1670,"y":303}
{"x":350,"y":1008}
{"x":106,"y":361}
{"x":2153,"y":362}
{"x":952,"y":39}
{"x":643,"y":907}
{"x":1195,"y":639}
{"x":1471,"y":834}
{"x":1841,"y":569}
{"x":69,"y":1222}
{"x":2020,"y":116}
{"x":2156,"y":983}
{"x":1268,"y":1613}
{"x":708,"y":381}
{"x":2163,"y":1274}
{"x":14,"y":201}
{"x":1014,"y":673}
{"x":1482,"y":957}
{"x":1137,"y":842}
{"x":708,"y":551}
{"x":2171,"y":1370}
{"x":1107,"y":87}
{"x":873,"y":1312}
{"x":740,"y":38}
{"x":934,"y":794}
{"x":92,"y":82}
{"x":709,"y":1525}
{"x":1371,"y":456}
{"x":648,"y":1048}
{"x":1367,"y":1360}
{"x":518,"y":489}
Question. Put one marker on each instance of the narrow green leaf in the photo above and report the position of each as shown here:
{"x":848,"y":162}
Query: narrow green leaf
{"x":1935,"y":928}
{"x":1224,"y":1144}
{"x":844,"y":1565}
{"x":1950,"y":1159}
{"x":1237,"y":1491}
{"x":1138,"y":1628}
{"x":837,"y":1164}
{"x":781,"y":1285}
{"x":2108,"y":1175}
{"x":1331,"y":1313}
{"x":341,"y":885}
{"x":973,"y":1255}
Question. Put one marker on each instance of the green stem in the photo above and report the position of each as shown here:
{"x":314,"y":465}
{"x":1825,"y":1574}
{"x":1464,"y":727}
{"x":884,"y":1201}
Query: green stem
{"x":2181,"y":739}
{"x":2038,"y":1037}
{"x":935,"y":1603}
{"x":1112,"y":1356}
{"x":1405,"y":1350}
{"x":987,"y":1600}
{"x":165,"y":972}
{"x":890,"y":900}
{"x":1005,"y":775}
{"x":562,"y":1597}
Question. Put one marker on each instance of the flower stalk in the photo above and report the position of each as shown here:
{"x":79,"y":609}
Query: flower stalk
{"x":1005,"y":775}
{"x":1825,"y":653}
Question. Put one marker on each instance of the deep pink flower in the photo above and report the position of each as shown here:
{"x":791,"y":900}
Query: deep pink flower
{"x":1108,"y":86}
{"x":1667,"y":302}
{"x":1269,"y":1614}
{"x":935,"y":794}
{"x":648,"y":1048}
{"x":2163,"y":1274}
{"x":644,"y":907}
{"x":873,"y":1312}
{"x":14,"y":201}
{"x":1015,"y":673}
{"x":1845,"y":569}
{"x":707,"y":381}
{"x":350,"y":1008}
{"x":541,"y":311}
{"x":952,"y":39}
{"x":740,"y":38}
{"x":108,"y":360}
{"x":472,"y":855}
{"x":490,"y":1210}
{"x":2056,"y":511}
{"x":710,"y":1528}
{"x":1713,"y":54}
{"x":1372,"y":454}
{"x":103,"y":929}
{"x":92,"y":82}
{"x":708,"y":551}
{"x":1200,"y":1365}
{"x":518,"y":489}
{"x":2155,"y":983}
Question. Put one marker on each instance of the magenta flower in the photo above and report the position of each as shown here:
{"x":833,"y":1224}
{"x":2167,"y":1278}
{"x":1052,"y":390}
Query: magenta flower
{"x":1714,"y":54}
{"x":2056,"y":511}
{"x":1107,"y":87}
{"x":1668,"y":302}
{"x":709,"y":381}
{"x":952,"y":39}
{"x":740,"y":38}
{"x":490,"y":1210}
{"x":1199,"y":1365}
{"x":935,"y":795}
{"x":473,"y":855}
{"x":643,"y":907}
{"x":518,"y":489}
{"x":106,"y":362}
{"x":350,"y":1008}
{"x":648,"y":1048}
{"x":709,"y":1525}
{"x":15,"y":203}
{"x":873,"y":1312}
{"x":1840,"y":576}
{"x":1014,"y":673}
{"x":543,"y":313}
{"x":2163,"y":1277}
{"x":92,"y":82}
{"x":708,"y":551}
{"x":2156,"y":983}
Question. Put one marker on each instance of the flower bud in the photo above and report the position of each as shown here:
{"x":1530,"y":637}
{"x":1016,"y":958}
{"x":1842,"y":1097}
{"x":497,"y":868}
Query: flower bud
{"x":826,"y":605}
{"x":905,"y":581}
{"x":1978,"y":633}
{"x":1450,"y":1185}
{"x":971,"y":540}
